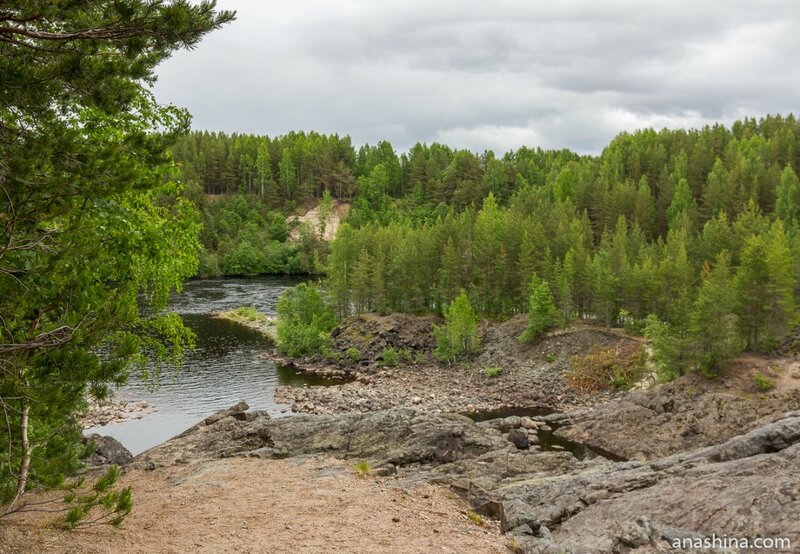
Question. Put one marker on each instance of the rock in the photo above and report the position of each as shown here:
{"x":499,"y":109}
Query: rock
{"x":515,"y":513}
{"x":519,"y":438}
{"x":397,"y":436}
{"x":107,"y":451}
{"x":528,"y":423}
{"x":416,"y":400}
{"x":236,"y":411}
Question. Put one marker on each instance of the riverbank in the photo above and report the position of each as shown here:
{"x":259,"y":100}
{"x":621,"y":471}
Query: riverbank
{"x":116,"y":409}
{"x":505,"y":374}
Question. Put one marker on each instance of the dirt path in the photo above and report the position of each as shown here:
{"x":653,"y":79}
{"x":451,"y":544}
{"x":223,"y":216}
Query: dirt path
{"x":278,"y":506}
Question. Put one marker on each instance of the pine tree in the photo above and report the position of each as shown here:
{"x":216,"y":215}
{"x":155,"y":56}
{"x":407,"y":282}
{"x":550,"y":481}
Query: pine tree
{"x":542,"y":312}
{"x":786,"y":208}
{"x":780,"y":288}
{"x":751,"y":282}
{"x":714,"y":326}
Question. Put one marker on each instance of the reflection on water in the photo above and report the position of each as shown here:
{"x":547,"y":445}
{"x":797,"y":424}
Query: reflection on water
{"x":224,"y":368}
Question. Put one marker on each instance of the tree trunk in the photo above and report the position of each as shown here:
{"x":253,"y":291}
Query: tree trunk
{"x":22,"y":478}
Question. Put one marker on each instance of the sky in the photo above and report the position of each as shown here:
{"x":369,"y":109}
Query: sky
{"x":488,"y":75}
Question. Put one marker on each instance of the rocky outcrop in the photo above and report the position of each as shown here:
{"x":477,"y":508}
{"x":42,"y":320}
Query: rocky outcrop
{"x":370,"y":334}
{"x":683,"y":415}
{"x":748,"y":486}
{"x":398,"y":437}
{"x":107,"y":451}
{"x":548,"y":501}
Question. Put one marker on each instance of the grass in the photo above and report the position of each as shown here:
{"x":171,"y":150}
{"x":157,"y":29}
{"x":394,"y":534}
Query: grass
{"x":550,"y":358}
{"x":248,"y":313}
{"x":390,"y":356}
{"x":493,"y":371}
{"x":353,"y":354}
{"x":363,"y":469}
{"x":476,"y":519}
{"x":763,"y":383}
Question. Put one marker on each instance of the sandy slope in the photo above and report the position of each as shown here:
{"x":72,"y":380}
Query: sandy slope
{"x":278,"y":506}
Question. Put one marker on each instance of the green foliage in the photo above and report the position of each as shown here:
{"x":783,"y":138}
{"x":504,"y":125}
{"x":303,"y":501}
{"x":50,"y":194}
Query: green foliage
{"x":304,"y":321}
{"x":405,"y":355}
{"x":476,"y":519}
{"x":389,"y":356}
{"x":95,"y":233}
{"x":493,"y":371}
{"x":668,"y":359}
{"x":353,"y":354}
{"x":459,"y":335}
{"x":248,"y":313}
{"x":102,"y":503}
{"x":363,"y":469}
{"x":550,"y":358}
{"x":330,"y":354}
{"x":714,"y":326}
{"x":542,"y":313}
{"x":763,"y":383}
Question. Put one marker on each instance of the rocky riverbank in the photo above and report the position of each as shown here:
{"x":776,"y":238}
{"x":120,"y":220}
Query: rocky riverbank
{"x":545,"y":500}
{"x":115,"y":410}
{"x":505,"y":374}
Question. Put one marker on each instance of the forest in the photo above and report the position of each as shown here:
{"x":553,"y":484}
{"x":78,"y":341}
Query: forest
{"x":690,"y":234}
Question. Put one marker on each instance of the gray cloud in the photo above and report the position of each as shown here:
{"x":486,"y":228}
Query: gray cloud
{"x":484,"y":75}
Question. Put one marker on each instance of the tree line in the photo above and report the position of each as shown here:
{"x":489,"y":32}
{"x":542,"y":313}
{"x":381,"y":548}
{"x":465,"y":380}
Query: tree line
{"x":689,"y":234}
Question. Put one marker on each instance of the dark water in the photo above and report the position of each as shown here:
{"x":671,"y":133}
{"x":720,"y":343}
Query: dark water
{"x":547,"y":439}
{"x":224,"y":368}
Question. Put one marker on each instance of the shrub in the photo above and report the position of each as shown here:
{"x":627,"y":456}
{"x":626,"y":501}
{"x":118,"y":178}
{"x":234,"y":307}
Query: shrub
{"x":550,"y":358}
{"x":363,"y":468}
{"x":476,"y":519}
{"x":420,"y":358}
{"x":304,"y":321}
{"x":353,"y":354}
{"x":459,"y":335}
{"x":249,"y":313}
{"x":763,"y":383}
{"x":406,"y":355}
{"x":493,"y":371}
{"x":331,"y":355}
{"x":389,"y":356}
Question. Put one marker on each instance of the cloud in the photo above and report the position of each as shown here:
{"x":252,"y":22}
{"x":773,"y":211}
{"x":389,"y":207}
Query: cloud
{"x":488,"y":75}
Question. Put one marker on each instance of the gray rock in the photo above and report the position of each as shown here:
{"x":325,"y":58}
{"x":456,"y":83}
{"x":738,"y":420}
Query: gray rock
{"x":107,"y":451}
{"x":519,"y":438}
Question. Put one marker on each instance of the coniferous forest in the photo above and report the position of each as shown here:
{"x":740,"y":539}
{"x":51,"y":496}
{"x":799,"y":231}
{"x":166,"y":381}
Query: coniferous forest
{"x":688,"y":234}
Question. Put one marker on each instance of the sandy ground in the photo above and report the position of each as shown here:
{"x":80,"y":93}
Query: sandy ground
{"x":276,"y":506}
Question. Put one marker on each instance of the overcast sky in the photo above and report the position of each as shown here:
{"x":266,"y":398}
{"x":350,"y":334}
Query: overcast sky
{"x":489,"y":75}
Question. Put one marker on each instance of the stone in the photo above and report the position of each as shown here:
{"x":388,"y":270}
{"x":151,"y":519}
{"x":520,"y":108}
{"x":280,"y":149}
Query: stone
{"x":519,"y":438}
{"x":107,"y":451}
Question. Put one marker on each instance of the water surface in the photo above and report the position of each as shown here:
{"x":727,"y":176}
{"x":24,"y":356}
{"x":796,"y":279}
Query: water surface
{"x":225,"y":367}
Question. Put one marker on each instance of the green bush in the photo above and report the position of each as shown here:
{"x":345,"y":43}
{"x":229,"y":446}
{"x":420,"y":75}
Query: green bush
{"x":420,"y":358}
{"x":353,"y":354}
{"x":459,"y":335}
{"x":493,"y":371}
{"x":304,"y":321}
{"x":390,"y":356}
{"x":550,"y":358}
{"x":249,"y":313}
{"x":406,"y":355}
{"x":763,"y":383}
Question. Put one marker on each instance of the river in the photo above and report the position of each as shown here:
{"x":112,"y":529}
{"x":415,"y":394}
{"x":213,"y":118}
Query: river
{"x":225,"y":367}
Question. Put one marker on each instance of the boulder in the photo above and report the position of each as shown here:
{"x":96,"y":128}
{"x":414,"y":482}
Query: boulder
{"x":107,"y":451}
